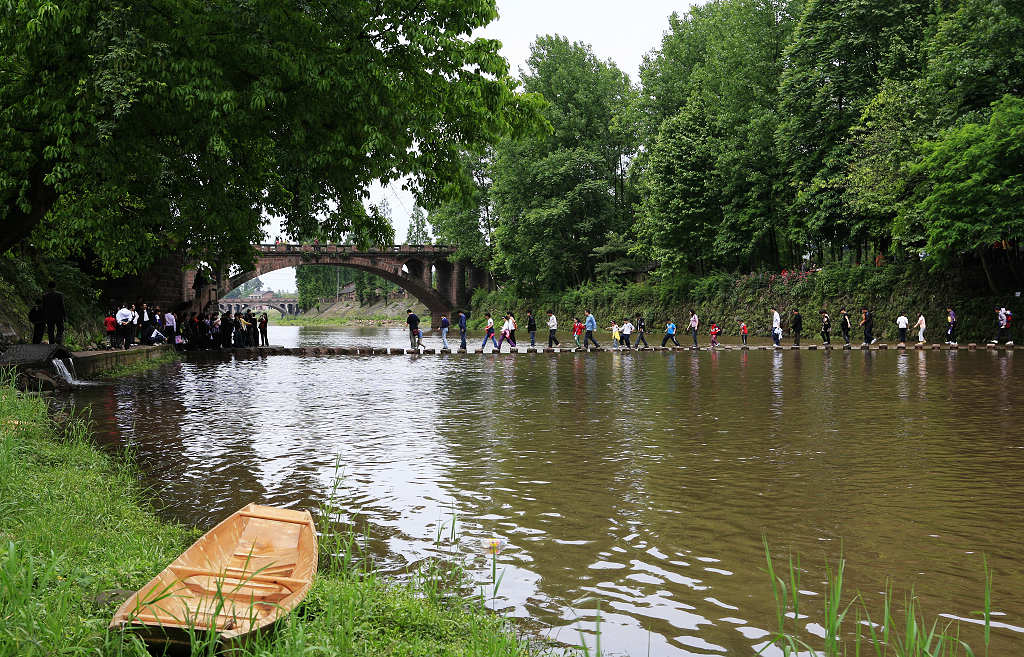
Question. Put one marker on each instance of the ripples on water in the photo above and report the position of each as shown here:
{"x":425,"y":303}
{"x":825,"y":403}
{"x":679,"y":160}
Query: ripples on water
{"x":645,"y":481}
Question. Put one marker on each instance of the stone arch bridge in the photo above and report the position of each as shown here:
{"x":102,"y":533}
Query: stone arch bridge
{"x":285,"y":306}
{"x":423,"y":270}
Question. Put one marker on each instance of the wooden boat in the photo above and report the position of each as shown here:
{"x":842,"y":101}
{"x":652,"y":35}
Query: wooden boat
{"x":245,"y":574}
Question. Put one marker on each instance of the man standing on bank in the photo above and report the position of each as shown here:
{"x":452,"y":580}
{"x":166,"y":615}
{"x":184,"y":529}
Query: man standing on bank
{"x":125,"y":327}
{"x":462,"y":330}
{"x":35,"y":317}
{"x":54,"y":314}
{"x":552,"y":329}
{"x":413,"y":320}
{"x":797,"y":325}
{"x":590,"y":325}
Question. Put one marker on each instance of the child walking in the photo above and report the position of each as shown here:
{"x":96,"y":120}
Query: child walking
{"x":577,"y":332}
{"x":715,"y":331}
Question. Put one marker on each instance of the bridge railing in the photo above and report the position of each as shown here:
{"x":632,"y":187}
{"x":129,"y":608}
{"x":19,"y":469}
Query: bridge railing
{"x":348,"y":248}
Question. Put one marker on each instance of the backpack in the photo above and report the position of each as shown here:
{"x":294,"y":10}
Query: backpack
{"x":1009,"y":317}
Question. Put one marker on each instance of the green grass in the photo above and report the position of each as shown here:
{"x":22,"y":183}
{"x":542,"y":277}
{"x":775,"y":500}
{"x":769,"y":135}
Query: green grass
{"x":75,"y":524}
{"x":850,"y":628}
{"x":139,"y":367}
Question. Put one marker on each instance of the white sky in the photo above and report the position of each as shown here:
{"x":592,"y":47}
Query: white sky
{"x":621,"y":31}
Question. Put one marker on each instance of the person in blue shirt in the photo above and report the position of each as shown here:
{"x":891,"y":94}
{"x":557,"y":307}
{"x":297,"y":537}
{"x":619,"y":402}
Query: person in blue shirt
{"x":590,"y":325}
{"x":445,"y":325}
{"x":670,"y":334}
{"x":462,"y":329}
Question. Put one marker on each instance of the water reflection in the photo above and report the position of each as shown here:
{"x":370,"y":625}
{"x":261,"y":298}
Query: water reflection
{"x":645,"y":481}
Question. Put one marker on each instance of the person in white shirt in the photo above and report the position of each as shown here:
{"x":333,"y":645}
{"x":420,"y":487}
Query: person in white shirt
{"x":170,"y":325}
{"x":920,"y":328}
{"x":135,"y":323}
{"x":902,"y":324}
{"x":489,"y":332}
{"x":776,"y":327}
{"x":552,"y":329}
{"x":627,"y":330}
{"x":506,"y":332}
{"x":694,"y":325}
{"x":125,"y":328}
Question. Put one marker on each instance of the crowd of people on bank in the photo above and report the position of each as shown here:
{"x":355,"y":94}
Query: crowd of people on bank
{"x":630,"y":335}
{"x":134,"y":324}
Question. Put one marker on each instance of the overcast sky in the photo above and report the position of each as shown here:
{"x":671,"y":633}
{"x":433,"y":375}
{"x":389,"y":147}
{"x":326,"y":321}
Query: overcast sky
{"x":621,"y":31}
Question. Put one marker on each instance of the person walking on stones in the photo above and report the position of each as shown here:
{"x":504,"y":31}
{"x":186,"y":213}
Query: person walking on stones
{"x":462,"y":330}
{"x":264,"y":321}
{"x":694,"y":327}
{"x":902,"y":324}
{"x":445,"y":324}
{"x":744,"y":331}
{"x":552,"y":330}
{"x":797,"y":326}
{"x":413,"y":321}
{"x":950,"y":326}
{"x":54,"y":314}
{"x":826,"y":327}
{"x":577,"y":332}
{"x":776,"y":327}
{"x":125,"y":328}
{"x":670,"y":334}
{"x":626,"y":330}
{"x":489,"y":332}
{"x":38,"y":321}
{"x":590,"y":326}
{"x":845,"y":325}
{"x":867,"y":321}
{"x":920,"y":326}
{"x":1000,"y":326}
{"x":531,"y":327}
{"x":641,"y":332}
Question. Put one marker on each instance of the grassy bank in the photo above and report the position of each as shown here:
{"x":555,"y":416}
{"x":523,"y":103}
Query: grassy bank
{"x":139,"y":367}
{"x":729,"y":298}
{"x":75,"y":528}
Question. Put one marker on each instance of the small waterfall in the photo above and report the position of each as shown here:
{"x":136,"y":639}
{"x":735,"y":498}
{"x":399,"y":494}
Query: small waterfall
{"x":63,"y":370}
{"x":66,"y":369}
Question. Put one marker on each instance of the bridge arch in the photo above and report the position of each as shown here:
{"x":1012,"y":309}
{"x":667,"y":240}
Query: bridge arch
{"x":410,"y":267}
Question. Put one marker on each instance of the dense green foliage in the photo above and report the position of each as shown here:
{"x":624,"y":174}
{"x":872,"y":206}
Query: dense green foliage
{"x":131,"y":128}
{"x":728,"y":299}
{"x":76,"y":526}
{"x":323,"y":283}
{"x":766,"y":135}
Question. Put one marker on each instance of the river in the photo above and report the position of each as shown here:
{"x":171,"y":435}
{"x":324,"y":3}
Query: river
{"x":643,"y":482}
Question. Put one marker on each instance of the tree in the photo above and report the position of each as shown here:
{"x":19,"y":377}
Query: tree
{"x":130,"y":128}
{"x":971,"y":189}
{"x":557,"y":196}
{"x":841,"y":52}
{"x":466,"y":221}
{"x":419,"y":229}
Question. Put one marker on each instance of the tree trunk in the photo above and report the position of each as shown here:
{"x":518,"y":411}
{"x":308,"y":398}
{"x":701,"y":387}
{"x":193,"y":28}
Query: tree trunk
{"x":988,"y":274}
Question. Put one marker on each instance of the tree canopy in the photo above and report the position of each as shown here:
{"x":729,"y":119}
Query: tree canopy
{"x":131,"y":128}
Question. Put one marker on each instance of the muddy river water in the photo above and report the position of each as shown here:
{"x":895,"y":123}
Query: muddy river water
{"x":640,"y":482}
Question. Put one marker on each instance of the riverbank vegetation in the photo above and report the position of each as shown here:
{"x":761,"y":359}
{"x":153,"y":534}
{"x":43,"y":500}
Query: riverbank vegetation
{"x":139,"y":367}
{"x":765,"y":138}
{"x":728,"y":299}
{"x":77,"y":533}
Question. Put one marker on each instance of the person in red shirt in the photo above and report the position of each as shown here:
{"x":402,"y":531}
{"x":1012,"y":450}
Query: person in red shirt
{"x":577,"y":331}
{"x":743,"y":332}
{"x":111,"y":325}
{"x":714,"y":334}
